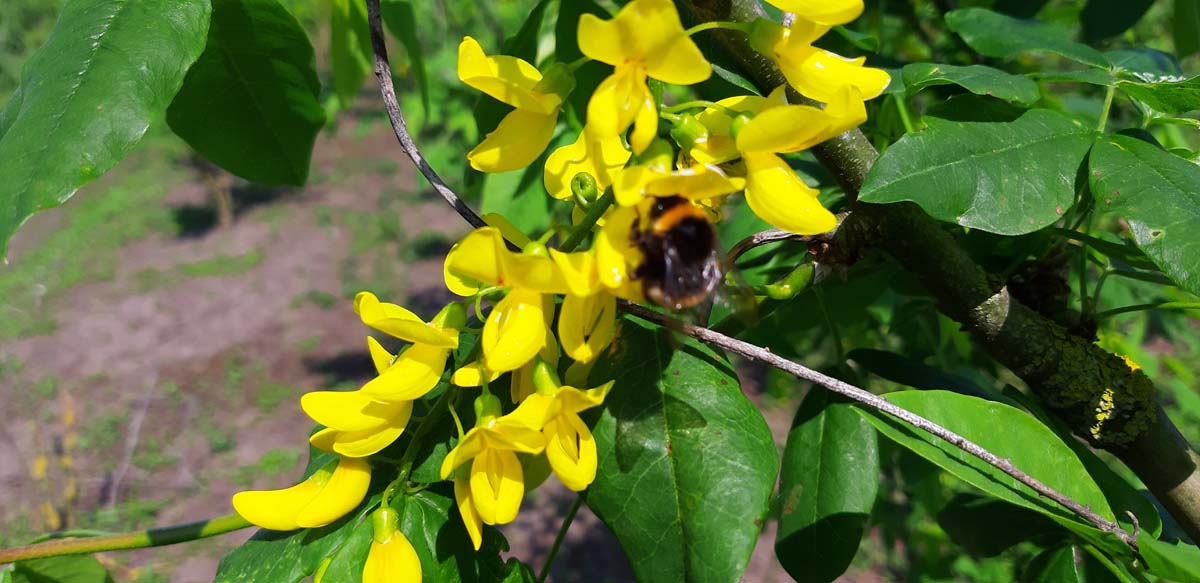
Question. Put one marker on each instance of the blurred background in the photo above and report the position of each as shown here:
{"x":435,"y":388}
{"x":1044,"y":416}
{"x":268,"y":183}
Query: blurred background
{"x":157,"y":330}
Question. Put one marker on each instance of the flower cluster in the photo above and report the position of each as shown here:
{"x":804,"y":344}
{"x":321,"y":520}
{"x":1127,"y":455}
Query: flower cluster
{"x":533,"y":312}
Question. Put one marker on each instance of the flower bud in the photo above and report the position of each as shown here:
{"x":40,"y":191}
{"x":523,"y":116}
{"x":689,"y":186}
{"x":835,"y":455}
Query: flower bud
{"x":688,"y":131}
{"x":739,"y":121}
{"x":584,"y":188}
{"x":659,"y":155}
{"x":487,"y":407}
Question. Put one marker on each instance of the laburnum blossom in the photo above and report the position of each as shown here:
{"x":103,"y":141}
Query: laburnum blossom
{"x":392,"y":557}
{"x":598,"y":155}
{"x":525,"y":132}
{"x":826,"y":12}
{"x":644,"y":40}
{"x":327,"y":495}
{"x":570,"y":447}
{"x":360,"y":423}
{"x":516,"y":328}
{"x":495,"y":479}
{"x":816,"y":73}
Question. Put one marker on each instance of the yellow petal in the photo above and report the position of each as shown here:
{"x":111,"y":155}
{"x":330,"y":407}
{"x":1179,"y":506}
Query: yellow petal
{"x":466,"y":506}
{"x":587,"y":325}
{"x":417,"y":370}
{"x":520,"y":138}
{"x":521,"y":383}
{"x":827,"y":12}
{"x":399,"y":322}
{"x":508,"y":79}
{"x":578,"y":271}
{"x":615,"y":252}
{"x":468,"y":447}
{"x":472,"y":263}
{"x":631,"y":184}
{"x":347,"y":411}
{"x":821,"y":75}
{"x":277,"y":509}
{"x":507,"y":230}
{"x":616,"y":102}
{"x":574,"y":400}
{"x":697,"y":183}
{"x":602,"y":157}
{"x":514,"y":332}
{"x":571,"y":451}
{"x":777,"y":195}
{"x":380,"y":357}
{"x":497,"y":486}
{"x":645,"y":121}
{"x":471,"y":375}
{"x":530,"y":271}
{"x":344,"y":490}
{"x":363,"y":443}
{"x":392,"y":561}
{"x":649,"y":33}
{"x":793,"y":128}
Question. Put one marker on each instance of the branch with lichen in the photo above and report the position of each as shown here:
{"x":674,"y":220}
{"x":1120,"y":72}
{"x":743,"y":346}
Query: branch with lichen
{"x":1100,"y":397}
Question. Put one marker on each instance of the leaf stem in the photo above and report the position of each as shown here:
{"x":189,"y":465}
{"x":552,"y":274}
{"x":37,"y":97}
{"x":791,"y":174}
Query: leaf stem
{"x":1108,"y":101}
{"x":594,"y":212}
{"x":739,"y":26}
{"x":905,"y":116}
{"x":155,"y":537}
{"x":1150,"y":306}
{"x":558,"y":540}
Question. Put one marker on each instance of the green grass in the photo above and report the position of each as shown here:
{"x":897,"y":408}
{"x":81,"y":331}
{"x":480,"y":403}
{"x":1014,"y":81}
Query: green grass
{"x":271,"y":395}
{"x":219,"y":266}
{"x":275,"y":462}
{"x":323,"y":300}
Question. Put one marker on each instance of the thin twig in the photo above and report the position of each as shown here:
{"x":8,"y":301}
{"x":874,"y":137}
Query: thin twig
{"x":558,"y":540}
{"x":383,"y":72}
{"x":875,"y":402}
{"x":761,"y":238}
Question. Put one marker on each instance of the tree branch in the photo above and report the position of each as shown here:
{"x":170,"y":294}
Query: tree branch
{"x":1069,"y":374}
{"x":383,"y":72}
{"x":876,"y":402}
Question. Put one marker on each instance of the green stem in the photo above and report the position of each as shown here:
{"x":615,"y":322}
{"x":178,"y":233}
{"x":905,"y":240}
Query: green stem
{"x":594,"y":212}
{"x":694,"y":104}
{"x":739,"y":26}
{"x":155,"y":537}
{"x":1108,"y":101}
{"x":558,"y":540}
{"x":410,"y":452}
{"x":1084,"y":306}
{"x":902,"y":109}
{"x":1151,"y":306}
{"x":577,"y":63}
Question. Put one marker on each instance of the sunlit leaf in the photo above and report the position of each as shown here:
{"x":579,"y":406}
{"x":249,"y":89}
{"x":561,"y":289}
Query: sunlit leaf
{"x":1006,"y":178}
{"x":1176,"y":97}
{"x":687,"y":463}
{"x":108,"y":68}
{"x":977,"y":79}
{"x":1155,"y":191}
{"x":68,"y":569}
{"x":997,"y":35}
{"x":1172,"y":561}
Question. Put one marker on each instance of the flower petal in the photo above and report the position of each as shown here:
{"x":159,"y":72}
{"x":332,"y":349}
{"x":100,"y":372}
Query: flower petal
{"x":417,"y":370}
{"x":277,"y":509}
{"x":473,"y":262}
{"x":497,"y":486}
{"x":697,"y":183}
{"x":645,"y":120}
{"x":508,"y":79}
{"x":520,"y":138}
{"x":344,"y":490}
{"x":514,"y":332}
{"x":380,"y":357}
{"x":367,"y":442}
{"x":578,"y":271}
{"x":399,"y":322}
{"x":615,"y":252}
{"x":827,"y":12}
{"x":648,"y":32}
{"x":392,"y":560}
{"x":347,"y":411}
{"x":574,"y":400}
{"x":616,"y":102}
{"x":819,"y":74}
{"x":466,"y":506}
{"x":587,"y":325}
{"x":471,"y":375}
{"x":468,"y":447}
{"x":571,"y":450}
{"x":777,"y":195}
{"x":599,"y":156}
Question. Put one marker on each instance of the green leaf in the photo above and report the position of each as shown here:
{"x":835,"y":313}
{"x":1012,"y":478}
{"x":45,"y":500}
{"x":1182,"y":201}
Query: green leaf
{"x":976,"y":108}
{"x":1145,"y":64}
{"x":1019,"y":8}
{"x":1006,"y":178}
{"x":964,"y":516}
{"x":1187,"y":27}
{"x":1172,"y":562}
{"x":349,"y":47}
{"x":1007,"y":432}
{"x":1107,"y":18}
{"x":346,"y":562}
{"x":862,"y":40}
{"x":997,"y":35}
{"x":67,"y":569}
{"x":1176,"y":97}
{"x":250,"y":103}
{"x":108,"y":68}
{"x":400,"y":18}
{"x":524,"y":44}
{"x":687,"y":463}
{"x":1053,"y":566}
{"x":977,"y":79}
{"x":905,"y":371}
{"x":520,"y":195}
{"x":1156,"y":192}
{"x":287,"y":557}
{"x":827,"y":488}
{"x":431,"y":522}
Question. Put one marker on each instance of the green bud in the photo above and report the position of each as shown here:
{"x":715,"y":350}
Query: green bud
{"x":385,"y":522}
{"x":688,"y":131}
{"x":660,"y":154}
{"x":558,"y":79}
{"x":584,"y":187}
{"x":454,"y":316}
{"x":739,"y":121}
{"x":764,"y":34}
{"x":789,"y":287}
{"x":487,"y":407}
{"x":545,"y":378}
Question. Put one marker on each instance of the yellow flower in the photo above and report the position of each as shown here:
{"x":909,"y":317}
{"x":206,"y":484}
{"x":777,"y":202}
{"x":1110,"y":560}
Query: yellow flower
{"x":570,"y":447}
{"x":524,"y":133}
{"x":792,"y":128}
{"x":327,"y":495}
{"x":497,"y":483}
{"x":778,"y":196}
{"x":466,"y":505}
{"x":392,"y":557}
{"x":616,"y":253}
{"x":825,"y":12}
{"x":396,"y":321}
{"x":645,"y":39}
{"x":699,"y":183}
{"x":720,"y":146}
{"x":587,"y":325}
{"x":816,"y":73}
{"x":599,"y":156}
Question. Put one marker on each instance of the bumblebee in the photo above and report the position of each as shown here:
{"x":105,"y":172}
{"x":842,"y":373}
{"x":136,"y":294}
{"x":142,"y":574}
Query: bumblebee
{"x":681,"y":267}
